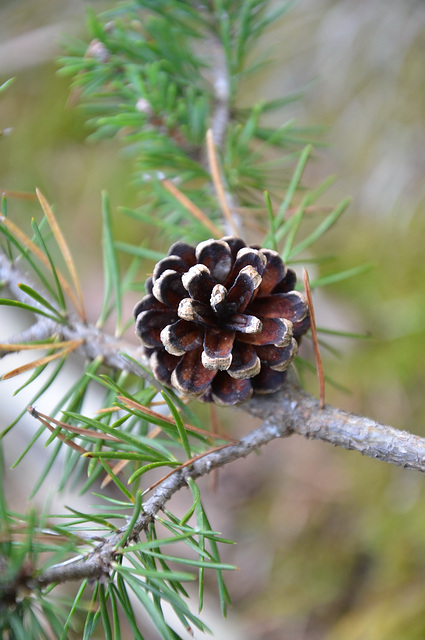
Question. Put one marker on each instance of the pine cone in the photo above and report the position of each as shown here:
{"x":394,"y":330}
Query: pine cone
{"x":221,"y":321}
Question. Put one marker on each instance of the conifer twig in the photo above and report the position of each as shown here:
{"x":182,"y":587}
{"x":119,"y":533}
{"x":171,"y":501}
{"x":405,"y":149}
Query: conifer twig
{"x":38,"y":332}
{"x":33,"y":248}
{"x":289,"y":411}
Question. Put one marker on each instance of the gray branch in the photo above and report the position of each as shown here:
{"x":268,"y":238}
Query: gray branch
{"x":221,"y":87}
{"x":40,"y":330}
{"x":295,"y":411}
{"x":219,"y":77}
{"x":291,"y":411}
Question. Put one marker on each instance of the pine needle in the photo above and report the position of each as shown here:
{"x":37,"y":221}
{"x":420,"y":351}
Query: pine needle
{"x":149,"y":412}
{"x":20,"y":195}
{"x":38,"y":345}
{"x":217,"y":181}
{"x":191,"y":207}
{"x":23,"y":238}
{"x":63,"y":246}
{"x":81,"y":431}
{"x":217,"y":427}
{"x":72,"y":345}
{"x":60,"y":436}
{"x":311,"y":209}
{"x":187,"y":464}
{"x":319,"y":365}
{"x":116,"y":469}
{"x":123,"y":463}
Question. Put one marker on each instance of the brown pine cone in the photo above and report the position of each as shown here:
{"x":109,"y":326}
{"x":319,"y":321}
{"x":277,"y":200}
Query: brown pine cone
{"x":221,"y":321}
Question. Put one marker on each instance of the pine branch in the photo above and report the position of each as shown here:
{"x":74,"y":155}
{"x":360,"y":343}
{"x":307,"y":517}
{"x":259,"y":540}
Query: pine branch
{"x":40,"y":330}
{"x":295,"y":411}
{"x":99,"y":562}
{"x":96,"y":343}
{"x":290,"y":411}
{"x":164,"y":111}
{"x":220,"y":119}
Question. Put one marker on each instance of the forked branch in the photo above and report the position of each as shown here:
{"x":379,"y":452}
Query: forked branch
{"x":287,"y":412}
{"x":291,"y":411}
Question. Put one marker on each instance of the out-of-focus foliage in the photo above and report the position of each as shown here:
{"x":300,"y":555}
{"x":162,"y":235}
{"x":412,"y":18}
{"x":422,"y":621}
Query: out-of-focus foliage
{"x":330,"y":545}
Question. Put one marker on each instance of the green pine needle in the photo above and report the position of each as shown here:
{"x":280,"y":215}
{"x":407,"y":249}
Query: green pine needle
{"x":340,"y":276}
{"x":112,"y":277}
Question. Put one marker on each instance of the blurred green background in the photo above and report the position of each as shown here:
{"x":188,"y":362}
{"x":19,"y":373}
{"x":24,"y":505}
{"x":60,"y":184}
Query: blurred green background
{"x":330,"y":545}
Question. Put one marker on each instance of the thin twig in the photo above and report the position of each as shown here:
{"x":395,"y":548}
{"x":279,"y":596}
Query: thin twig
{"x":188,"y":463}
{"x":290,"y":411}
{"x":220,"y":118}
{"x":41,"y":330}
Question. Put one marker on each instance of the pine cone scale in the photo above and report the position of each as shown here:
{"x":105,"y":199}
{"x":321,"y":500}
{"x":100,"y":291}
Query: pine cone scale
{"x":194,"y":311}
{"x":244,"y":323}
{"x":162,"y":364}
{"x":150,"y":324}
{"x":190,"y":376}
{"x":268,"y":380}
{"x":199,"y":283}
{"x":274,"y":272}
{"x":276,"y":357}
{"x":148,"y":303}
{"x":170,"y":263}
{"x":287,"y":356}
{"x":281,"y":305}
{"x":240,"y":294}
{"x":276,"y":331}
{"x":218,"y":347}
{"x":216,"y":255}
{"x":168,"y":288}
{"x":180,"y":337}
{"x":184,"y":251}
{"x":229,"y":391}
{"x":247,"y":257}
{"x":245,"y":363}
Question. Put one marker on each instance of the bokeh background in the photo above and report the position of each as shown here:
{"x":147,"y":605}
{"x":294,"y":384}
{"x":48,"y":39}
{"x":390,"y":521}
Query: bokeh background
{"x":330,"y":545}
